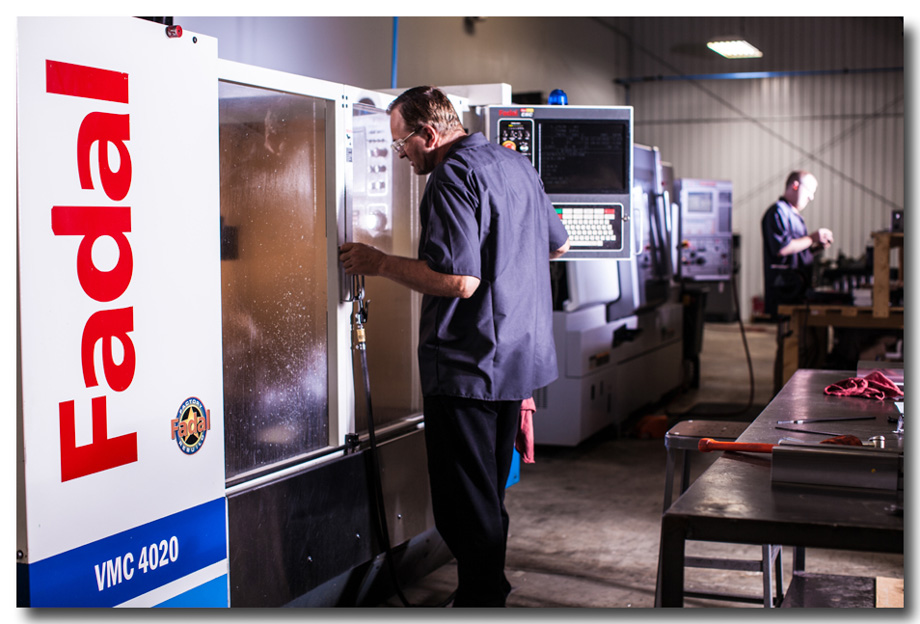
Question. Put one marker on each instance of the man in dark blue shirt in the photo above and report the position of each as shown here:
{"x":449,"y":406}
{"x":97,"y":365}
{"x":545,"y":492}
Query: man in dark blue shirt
{"x":787,"y":244}
{"x":485,"y":336}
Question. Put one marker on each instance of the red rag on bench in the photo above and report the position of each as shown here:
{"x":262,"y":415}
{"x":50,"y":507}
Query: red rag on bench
{"x":875,"y":385}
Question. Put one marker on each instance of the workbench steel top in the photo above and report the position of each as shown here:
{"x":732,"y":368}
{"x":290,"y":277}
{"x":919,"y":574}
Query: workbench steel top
{"x":735,"y":499}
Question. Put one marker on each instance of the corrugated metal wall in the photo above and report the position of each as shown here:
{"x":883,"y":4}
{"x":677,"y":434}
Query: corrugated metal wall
{"x":846,"y":128}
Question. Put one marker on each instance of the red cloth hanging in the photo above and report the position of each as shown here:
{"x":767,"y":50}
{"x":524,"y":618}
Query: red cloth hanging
{"x":523,"y":442}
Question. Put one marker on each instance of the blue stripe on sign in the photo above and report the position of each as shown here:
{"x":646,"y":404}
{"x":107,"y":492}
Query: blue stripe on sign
{"x":210,"y":595}
{"x":123,"y":566}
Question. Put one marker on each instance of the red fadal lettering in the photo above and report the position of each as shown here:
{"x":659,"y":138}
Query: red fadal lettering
{"x":86,"y":82}
{"x":92,"y":222}
{"x":110,"y":133}
{"x":106,"y":129}
{"x":107,"y":326}
{"x":103,"y":453}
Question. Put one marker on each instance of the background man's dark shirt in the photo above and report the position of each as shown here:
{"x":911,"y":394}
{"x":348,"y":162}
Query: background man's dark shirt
{"x":785,"y":278}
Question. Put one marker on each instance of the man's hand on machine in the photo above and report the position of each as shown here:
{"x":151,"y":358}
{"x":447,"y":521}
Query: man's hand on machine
{"x":361,"y":259}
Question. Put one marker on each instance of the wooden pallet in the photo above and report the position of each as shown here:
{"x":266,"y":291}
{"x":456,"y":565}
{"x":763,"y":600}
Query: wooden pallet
{"x":889,"y":593}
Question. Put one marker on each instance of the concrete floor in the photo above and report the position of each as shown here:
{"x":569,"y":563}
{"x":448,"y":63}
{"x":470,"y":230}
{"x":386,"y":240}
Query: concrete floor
{"x":585,"y":521}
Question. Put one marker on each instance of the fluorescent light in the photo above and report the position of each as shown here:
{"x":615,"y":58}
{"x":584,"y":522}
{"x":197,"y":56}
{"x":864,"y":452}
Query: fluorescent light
{"x":738,"y":48}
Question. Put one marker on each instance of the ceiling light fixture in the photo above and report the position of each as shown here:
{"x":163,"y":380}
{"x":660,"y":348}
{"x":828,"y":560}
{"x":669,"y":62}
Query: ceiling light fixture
{"x":734,"y":48}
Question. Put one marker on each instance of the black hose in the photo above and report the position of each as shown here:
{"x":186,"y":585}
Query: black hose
{"x":383,"y":532}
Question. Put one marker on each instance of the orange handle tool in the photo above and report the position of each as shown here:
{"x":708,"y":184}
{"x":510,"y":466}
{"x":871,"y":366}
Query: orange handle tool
{"x":708,"y":444}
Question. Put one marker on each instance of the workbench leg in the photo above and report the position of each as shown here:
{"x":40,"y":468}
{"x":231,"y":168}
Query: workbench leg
{"x":684,"y":458}
{"x":787,"y":352}
{"x":670,"y":591}
{"x":767,"y":558}
{"x":789,"y":332}
{"x":668,"y":480}
{"x":778,"y":563}
{"x":798,"y":559}
{"x":881,"y":279}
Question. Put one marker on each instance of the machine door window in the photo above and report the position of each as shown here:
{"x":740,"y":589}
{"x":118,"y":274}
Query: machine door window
{"x":273,"y":276}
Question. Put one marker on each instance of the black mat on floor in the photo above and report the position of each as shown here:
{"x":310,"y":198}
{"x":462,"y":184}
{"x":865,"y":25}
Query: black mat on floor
{"x":810,"y":591}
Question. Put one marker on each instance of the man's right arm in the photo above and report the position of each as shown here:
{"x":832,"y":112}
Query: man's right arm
{"x":557,"y":232}
{"x":417,"y":275}
{"x":821,"y":236}
{"x":558,"y":253}
{"x":360,"y":259}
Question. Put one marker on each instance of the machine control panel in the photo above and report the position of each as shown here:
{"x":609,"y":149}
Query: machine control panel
{"x":709,"y":257}
{"x":370,"y":200}
{"x":583,"y":155}
{"x":706,"y":245}
{"x":517,"y":134}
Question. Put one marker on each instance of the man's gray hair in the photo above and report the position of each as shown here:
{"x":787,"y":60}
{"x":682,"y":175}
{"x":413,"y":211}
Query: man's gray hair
{"x":426,"y":105}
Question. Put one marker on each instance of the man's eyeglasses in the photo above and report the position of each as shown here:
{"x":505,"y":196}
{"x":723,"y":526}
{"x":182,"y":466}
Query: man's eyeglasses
{"x":399,"y":144}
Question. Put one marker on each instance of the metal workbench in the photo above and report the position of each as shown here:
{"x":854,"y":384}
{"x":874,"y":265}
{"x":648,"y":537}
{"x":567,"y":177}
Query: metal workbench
{"x":735,"y":500}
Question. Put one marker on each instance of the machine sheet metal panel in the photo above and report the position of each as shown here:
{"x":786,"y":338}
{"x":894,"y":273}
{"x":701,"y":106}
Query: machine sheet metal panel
{"x":121,"y":466}
{"x":382,"y":211}
{"x":654,"y":264}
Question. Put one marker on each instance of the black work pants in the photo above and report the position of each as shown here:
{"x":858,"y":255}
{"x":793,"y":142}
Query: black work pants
{"x":470,"y":445}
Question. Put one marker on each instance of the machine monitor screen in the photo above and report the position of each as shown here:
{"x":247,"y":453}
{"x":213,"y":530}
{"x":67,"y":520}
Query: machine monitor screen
{"x":699,"y":202}
{"x":584,"y":156}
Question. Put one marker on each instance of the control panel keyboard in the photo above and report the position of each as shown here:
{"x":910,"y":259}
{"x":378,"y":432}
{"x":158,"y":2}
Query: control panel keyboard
{"x":592,"y":226}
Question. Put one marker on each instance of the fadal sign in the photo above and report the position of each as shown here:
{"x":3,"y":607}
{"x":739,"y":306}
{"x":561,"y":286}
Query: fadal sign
{"x":121,"y":454}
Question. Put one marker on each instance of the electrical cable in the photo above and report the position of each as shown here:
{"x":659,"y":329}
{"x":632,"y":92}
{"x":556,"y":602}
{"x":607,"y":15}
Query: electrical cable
{"x":383,"y":531}
{"x":750,"y":364}
{"x":747,"y":350}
